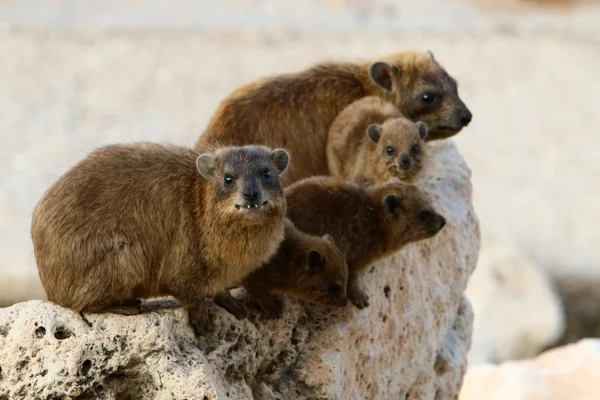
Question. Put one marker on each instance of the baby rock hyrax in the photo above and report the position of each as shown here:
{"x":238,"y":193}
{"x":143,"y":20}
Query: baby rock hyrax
{"x":368,"y":224}
{"x":147,"y":220}
{"x":296,"y":110}
{"x":371,"y":142}
{"x":307,"y":267}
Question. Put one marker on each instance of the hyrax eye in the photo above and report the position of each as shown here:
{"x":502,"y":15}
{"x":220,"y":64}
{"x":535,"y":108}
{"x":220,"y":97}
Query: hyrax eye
{"x":267,"y":174}
{"x":390,"y":151}
{"x":415,"y":149}
{"x":228,"y":179}
{"x":333,"y":287}
{"x":428,"y":98}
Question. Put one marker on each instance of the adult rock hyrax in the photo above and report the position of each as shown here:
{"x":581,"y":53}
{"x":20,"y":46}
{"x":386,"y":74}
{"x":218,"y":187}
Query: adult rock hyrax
{"x":146,"y":220}
{"x":368,"y":223}
{"x":371,"y":142}
{"x":307,"y":267}
{"x":295,"y":110}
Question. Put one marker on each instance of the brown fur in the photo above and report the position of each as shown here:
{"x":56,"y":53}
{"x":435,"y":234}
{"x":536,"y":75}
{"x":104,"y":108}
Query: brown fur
{"x":307,"y":267}
{"x":371,"y":142}
{"x":368,"y":223}
{"x":296,"y":110}
{"x":136,"y":221}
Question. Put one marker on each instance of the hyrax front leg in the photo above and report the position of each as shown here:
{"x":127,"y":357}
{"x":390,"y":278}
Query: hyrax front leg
{"x":269,"y":304}
{"x":229,"y":303}
{"x":199,"y":318}
{"x":359,"y":298}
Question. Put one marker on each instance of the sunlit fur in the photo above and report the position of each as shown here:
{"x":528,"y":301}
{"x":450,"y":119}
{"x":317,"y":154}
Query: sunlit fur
{"x":295,"y":110}
{"x":135,"y":221}
{"x":353,"y":155}
{"x":357,"y":218}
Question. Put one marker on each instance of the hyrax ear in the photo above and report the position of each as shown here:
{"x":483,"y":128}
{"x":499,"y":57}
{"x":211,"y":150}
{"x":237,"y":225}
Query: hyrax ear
{"x":430,"y":54}
{"x":374,"y":132}
{"x":392,"y":204}
{"x":383,"y":74}
{"x":314,"y":260}
{"x":280,"y":159}
{"x":328,"y":237}
{"x":206,"y":165}
{"x":422,"y":127}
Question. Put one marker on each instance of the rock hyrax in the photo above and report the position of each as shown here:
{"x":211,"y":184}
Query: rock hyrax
{"x":307,"y":267}
{"x":368,"y":223}
{"x":371,"y":142}
{"x":295,"y":110}
{"x":146,"y":220}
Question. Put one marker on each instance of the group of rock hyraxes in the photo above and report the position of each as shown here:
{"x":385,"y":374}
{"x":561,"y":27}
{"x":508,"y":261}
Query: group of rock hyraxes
{"x":299,"y":183}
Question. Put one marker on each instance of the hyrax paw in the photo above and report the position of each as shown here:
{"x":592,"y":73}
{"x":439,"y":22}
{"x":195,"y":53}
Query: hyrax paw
{"x":272,"y":308}
{"x":360,"y":299}
{"x":200,"y":322}
{"x":230,"y":304}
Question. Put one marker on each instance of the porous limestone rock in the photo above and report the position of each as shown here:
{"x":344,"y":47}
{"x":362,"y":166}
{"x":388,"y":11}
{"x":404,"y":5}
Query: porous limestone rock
{"x":565,"y":373}
{"x":410,"y":343}
{"x":509,"y":286}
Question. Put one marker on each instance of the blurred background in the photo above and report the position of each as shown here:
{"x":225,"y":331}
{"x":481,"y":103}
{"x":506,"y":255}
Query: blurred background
{"x":76,"y":75}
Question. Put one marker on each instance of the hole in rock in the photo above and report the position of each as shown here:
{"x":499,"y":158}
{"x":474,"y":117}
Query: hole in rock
{"x":61,"y":333}
{"x":386,"y":292}
{"x":85,"y":368}
{"x":40,"y":332}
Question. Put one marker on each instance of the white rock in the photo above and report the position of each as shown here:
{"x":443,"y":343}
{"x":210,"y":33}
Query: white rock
{"x":412,"y":340}
{"x":565,"y":373}
{"x":517,"y":310}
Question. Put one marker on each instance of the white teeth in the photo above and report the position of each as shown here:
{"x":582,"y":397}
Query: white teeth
{"x":249,"y":206}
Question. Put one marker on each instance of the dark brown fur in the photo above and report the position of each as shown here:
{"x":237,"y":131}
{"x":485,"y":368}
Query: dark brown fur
{"x":307,"y":267}
{"x":296,"y":110}
{"x":136,"y":221}
{"x":371,"y":142}
{"x":368,"y":223}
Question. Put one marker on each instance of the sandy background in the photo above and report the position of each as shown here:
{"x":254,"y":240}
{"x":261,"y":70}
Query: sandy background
{"x":77,"y":75}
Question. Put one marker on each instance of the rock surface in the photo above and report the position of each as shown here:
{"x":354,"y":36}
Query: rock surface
{"x":507,"y":285}
{"x":565,"y":373}
{"x":410,"y":343}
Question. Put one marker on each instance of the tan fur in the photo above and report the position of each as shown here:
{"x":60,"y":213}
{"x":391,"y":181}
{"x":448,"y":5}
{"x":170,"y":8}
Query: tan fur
{"x":136,"y":221}
{"x":364,"y":228}
{"x":291,"y":273}
{"x":353,"y":155}
{"x":295,"y":110}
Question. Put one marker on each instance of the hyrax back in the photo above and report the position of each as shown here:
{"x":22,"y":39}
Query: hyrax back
{"x":371,"y":142}
{"x":145,"y":220}
{"x":308,"y":267}
{"x":368,"y":223}
{"x":296,"y":110}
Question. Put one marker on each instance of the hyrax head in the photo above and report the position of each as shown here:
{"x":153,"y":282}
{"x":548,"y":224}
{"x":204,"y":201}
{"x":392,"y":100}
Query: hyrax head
{"x":399,"y":150}
{"x":407,"y":213}
{"x":244,"y":181}
{"x":324,"y":272}
{"x":423,"y":91}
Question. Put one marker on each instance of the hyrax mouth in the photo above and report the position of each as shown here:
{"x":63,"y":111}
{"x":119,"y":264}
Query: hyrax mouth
{"x":251,"y":206}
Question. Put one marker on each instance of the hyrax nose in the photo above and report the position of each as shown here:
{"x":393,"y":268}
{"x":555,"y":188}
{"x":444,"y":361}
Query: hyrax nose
{"x":251,"y":194}
{"x":442,"y":221}
{"x":405,"y":161}
{"x":465,"y":116}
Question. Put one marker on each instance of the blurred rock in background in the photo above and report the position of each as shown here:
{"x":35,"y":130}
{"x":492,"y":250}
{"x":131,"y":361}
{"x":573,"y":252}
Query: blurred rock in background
{"x":518,"y":310}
